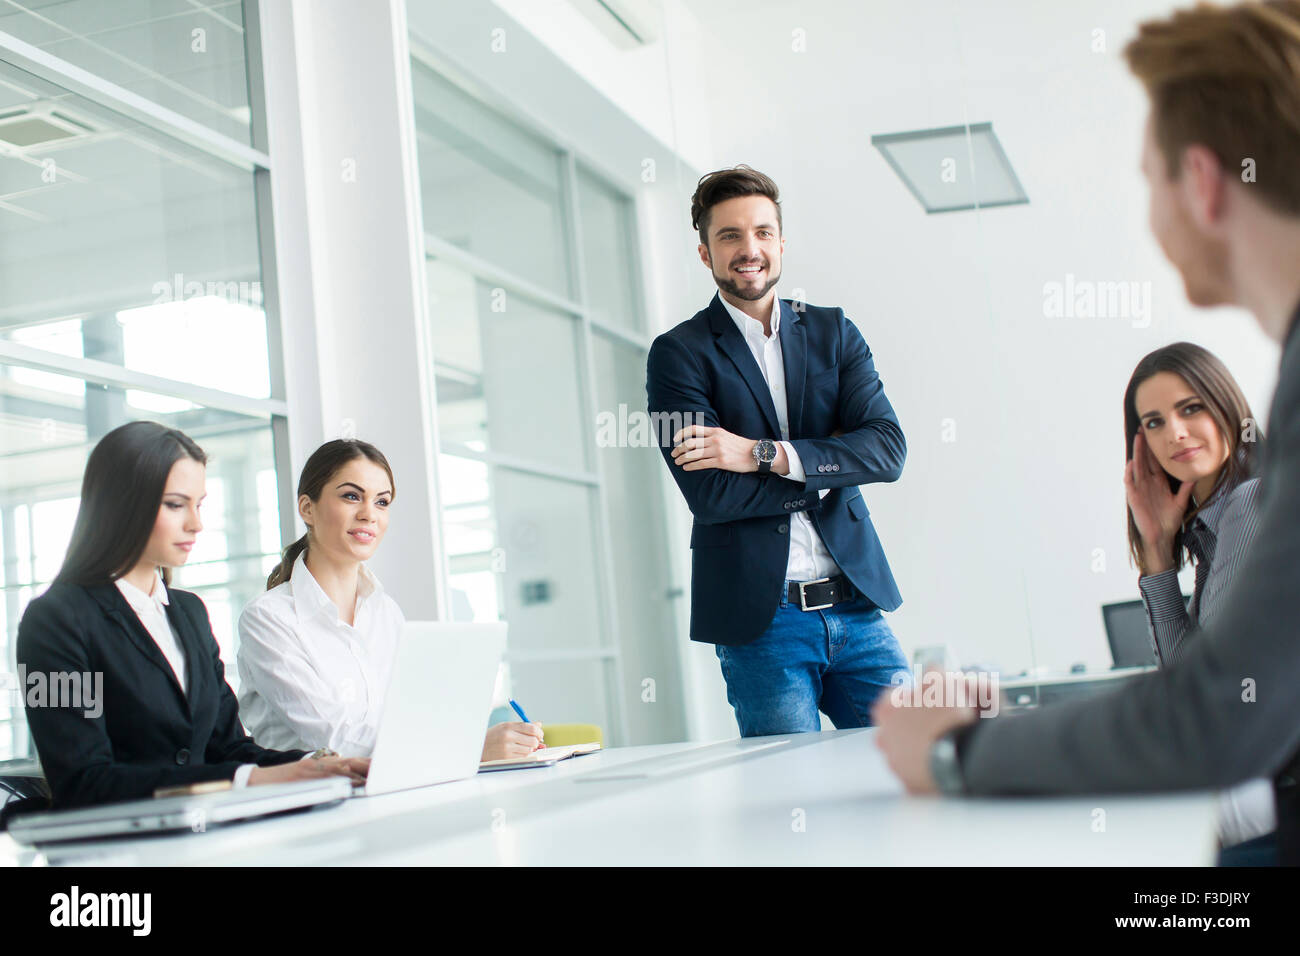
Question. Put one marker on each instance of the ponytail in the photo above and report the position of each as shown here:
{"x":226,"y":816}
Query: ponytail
{"x":284,"y":570}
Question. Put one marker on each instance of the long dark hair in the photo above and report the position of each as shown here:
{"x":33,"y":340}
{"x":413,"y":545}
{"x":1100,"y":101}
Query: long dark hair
{"x":121,"y":493}
{"x":1210,"y":379}
{"x":321,"y":467}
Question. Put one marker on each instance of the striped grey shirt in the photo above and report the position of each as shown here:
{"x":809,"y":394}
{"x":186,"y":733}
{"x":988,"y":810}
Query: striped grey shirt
{"x":1230,"y":520}
{"x":1223,"y":533}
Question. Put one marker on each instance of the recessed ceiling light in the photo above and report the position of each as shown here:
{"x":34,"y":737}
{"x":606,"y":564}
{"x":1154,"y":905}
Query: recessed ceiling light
{"x":953,"y":168}
{"x":26,"y":128}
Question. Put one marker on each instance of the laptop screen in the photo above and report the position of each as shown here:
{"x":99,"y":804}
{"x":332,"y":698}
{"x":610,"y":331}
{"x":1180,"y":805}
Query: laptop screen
{"x":1128,"y":634}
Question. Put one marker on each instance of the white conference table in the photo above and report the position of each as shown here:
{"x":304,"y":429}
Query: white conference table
{"x":805,"y":799}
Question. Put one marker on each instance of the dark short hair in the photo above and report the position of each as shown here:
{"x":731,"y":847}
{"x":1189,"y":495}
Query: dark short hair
{"x":121,"y":493}
{"x":723,"y":184}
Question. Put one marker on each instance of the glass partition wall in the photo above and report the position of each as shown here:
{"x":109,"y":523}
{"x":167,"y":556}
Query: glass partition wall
{"x":538,"y":329}
{"x":130,"y":287}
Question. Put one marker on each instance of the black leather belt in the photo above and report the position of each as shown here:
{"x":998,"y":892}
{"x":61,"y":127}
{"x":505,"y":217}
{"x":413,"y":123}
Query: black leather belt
{"x":822,"y":593}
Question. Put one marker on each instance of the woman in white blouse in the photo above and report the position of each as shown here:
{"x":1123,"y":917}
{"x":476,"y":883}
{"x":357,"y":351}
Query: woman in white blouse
{"x":317,"y":649}
{"x":163,"y":714}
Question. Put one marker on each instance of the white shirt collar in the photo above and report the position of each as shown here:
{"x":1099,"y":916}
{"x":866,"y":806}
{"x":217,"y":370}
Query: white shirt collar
{"x":138,"y":599}
{"x":310,"y":598}
{"x":748,"y":325}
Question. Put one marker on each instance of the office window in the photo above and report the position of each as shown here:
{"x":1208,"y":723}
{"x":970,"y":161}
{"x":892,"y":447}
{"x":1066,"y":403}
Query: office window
{"x":537,"y":317}
{"x":634,"y":476}
{"x":490,"y":342}
{"x":185,"y":55}
{"x":124,"y":245}
{"x":608,"y":225}
{"x":130,"y":288}
{"x":489,"y":187}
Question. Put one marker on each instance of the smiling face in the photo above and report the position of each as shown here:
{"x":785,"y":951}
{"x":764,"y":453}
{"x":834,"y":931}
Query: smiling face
{"x":349,"y":519}
{"x":1179,"y":429}
{"x":745,"y":246}
{"x":178,"y":521}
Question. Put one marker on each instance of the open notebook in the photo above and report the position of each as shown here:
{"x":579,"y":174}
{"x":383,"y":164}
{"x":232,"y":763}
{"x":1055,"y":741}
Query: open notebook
{"x":542,"y":757}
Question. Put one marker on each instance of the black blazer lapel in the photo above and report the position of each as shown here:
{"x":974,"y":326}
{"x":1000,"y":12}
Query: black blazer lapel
{"x":794,"y":357}
{"x":118,"y":610}
{"x":191,"y":642}
{"x":731,"y":342}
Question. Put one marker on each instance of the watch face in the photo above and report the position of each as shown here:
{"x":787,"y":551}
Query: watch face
{"x":944,"y":766}
{"x":765,"y":450}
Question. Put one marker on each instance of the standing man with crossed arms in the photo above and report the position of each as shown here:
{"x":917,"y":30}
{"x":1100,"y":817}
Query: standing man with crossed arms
{"x":789,"y":580}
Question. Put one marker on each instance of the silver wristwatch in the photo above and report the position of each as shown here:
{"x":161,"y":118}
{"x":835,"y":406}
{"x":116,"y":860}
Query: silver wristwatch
{"x":944,"y":766}
{"x":764,"y":454}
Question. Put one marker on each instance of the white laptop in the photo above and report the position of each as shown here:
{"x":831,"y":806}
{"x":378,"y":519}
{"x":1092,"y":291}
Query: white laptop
{"x":437,"y":706}
{"x":196,"y":812}
{"x":438,"y":703}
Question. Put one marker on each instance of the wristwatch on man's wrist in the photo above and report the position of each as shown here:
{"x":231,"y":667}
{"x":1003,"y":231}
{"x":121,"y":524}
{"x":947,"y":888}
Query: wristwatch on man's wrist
{"x":945,"y":766}
{"x":764,"y":454}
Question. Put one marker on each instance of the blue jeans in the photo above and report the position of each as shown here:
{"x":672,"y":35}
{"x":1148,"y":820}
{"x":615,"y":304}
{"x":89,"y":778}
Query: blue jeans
{"x":837,"y":660}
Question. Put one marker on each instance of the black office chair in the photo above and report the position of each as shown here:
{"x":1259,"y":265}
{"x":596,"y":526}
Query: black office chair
{"x":22,"y":790}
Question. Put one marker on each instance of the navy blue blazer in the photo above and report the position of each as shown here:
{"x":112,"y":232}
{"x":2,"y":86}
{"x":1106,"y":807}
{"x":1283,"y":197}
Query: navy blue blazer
{"x":150,"y":733}
{"x":740,"y":538}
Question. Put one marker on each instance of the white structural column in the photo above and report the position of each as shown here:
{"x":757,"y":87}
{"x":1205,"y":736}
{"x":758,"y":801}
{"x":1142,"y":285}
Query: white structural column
{"x":349,"y":257}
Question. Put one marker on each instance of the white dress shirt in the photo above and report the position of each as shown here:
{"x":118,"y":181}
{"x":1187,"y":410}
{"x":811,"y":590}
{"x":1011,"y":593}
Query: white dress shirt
{"x":309,"y":680}
{"x":151,"y":609}
{"x":809,"y":559}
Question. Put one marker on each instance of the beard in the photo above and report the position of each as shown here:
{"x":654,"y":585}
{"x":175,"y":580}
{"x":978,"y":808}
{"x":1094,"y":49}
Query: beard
{"x":748,"y":293}
{"x":1201,"y":263}
{"x":1206,"y":289}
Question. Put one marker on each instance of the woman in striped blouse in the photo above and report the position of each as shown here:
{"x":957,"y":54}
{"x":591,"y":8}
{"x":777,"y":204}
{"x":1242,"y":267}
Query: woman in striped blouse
{"x":1191,"y":488}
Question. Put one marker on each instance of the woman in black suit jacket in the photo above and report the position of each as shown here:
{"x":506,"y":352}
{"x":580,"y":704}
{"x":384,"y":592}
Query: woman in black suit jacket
{"x":133,"y":728}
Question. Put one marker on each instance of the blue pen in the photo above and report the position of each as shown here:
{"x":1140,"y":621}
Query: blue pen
{"x":524,"y":717}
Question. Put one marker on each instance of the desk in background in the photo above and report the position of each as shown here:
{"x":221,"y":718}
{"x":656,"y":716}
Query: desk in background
{"x":1019,"y":693}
